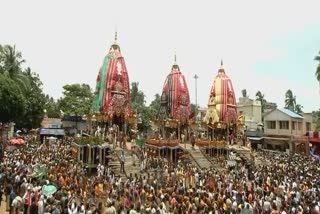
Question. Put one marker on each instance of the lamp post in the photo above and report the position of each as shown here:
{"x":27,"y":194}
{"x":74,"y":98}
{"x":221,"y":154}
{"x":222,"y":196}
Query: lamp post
{"x":196,"y":95}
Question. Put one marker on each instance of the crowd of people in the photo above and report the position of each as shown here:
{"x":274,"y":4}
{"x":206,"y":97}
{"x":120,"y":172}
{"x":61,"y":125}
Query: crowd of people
{"x":281,"y":184}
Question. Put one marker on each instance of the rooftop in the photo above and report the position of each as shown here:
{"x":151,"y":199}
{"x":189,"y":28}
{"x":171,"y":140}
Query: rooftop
{"x":291,"y":113}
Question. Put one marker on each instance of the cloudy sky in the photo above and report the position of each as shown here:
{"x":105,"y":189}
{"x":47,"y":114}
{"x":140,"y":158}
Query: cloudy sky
{"x":265,"y":46}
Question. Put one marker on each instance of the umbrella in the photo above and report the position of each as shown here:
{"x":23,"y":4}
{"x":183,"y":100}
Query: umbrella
{"x":48,"y":190}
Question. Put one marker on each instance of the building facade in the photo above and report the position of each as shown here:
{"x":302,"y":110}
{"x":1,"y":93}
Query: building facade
{"x":251,"y":110}
{"x":284,"y":122}
{"x":286,"y":130}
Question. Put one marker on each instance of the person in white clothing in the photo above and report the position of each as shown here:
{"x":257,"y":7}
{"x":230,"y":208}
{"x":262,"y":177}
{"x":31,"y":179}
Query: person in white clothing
{"x":41,"y":205}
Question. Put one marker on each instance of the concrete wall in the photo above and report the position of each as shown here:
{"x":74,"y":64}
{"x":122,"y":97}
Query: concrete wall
{"x":251,"y":109}
{"x":309,"y":119}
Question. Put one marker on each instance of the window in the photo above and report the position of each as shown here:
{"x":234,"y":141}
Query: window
{"x":308,"y":126}
{"x":299,"y":125}
{"x":284,"y":124}
{"x":293,"y":125}
{"x":271,"y":124}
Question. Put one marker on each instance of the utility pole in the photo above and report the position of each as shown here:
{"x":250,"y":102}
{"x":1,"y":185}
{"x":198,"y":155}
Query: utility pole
{"x":196,"y":78}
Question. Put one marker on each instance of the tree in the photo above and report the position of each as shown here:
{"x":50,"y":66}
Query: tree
{"x":11,"y":64}
{"x":35,"y":102}
{"x":317,"y":58}
{"x":76,"y":100}
{"x":12,"y":100}
{"x":138,"y":105}
{"x":290,"y":100}
{"x":316,"y":117}
{"x":52,"y":107}
{"x":244,"y":92}
{"x":298,"y":109}
{"x":154,"y":107}
{"x":263,"y":101}
{"x":29,"y":87}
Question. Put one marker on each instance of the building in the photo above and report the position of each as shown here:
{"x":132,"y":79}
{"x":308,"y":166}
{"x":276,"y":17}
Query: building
{"x":282,"y":127}
{"x":310,"y":117}
{"x":51,"y":127}
{"x":284,"y":122}
{"x":201,"y":113}
{"x":251,"y":110}
{"x":72,"y":124}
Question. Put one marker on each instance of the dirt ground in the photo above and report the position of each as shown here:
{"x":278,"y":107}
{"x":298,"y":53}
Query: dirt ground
{"x":3,"y":205}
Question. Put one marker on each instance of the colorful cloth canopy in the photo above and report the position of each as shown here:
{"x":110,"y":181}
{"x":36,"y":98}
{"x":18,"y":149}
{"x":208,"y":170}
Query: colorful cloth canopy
{"x":175,"y":100}
{"x":223,"y":98}
{"x":112,"y":94}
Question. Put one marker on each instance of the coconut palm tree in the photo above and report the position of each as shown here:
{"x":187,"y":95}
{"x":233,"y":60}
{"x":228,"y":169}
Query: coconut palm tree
{"x":244,"y":92}
{"x":317,"y":58}
{"x":263,"y":101}
{"x":298,"y":109}
{"x":11,"y":60}
{"x":290,"y":100}
{"x":11,"y":64}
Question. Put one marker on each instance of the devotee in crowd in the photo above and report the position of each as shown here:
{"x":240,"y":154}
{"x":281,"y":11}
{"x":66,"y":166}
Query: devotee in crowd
{"x":281,"y":183}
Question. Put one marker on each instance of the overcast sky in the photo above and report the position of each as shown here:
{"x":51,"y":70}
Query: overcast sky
{"x":268,"y":47}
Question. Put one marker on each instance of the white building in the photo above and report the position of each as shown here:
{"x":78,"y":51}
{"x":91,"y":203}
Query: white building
{"x":201,"y":113}
{"x":251,"y":109}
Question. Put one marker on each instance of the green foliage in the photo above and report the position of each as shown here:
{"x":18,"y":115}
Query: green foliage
{"x":35,"y":101}
{"x":193,"y":107}
{"x":260,"y":97}
{"x":154,"y":107}
{"x":298,"y":109}
{"x":76,"y":100}
{"x":10,"y":60}
{"x":26,"y":85}
{"x":138,"y":104}
{"x":291,"y":103}
{"x":316,"y":116}
{"x":51,"y":107}
{"x":12,"y":100}
{"x":317,"y":58}
{"x":290,"y":100}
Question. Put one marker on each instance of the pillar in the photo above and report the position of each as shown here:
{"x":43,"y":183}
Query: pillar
{"x":79,"y":153}
{"x":125,"y":128}
{"x":82,"y":152}
{"x":89,"y":155}
{"x":100,"y":155}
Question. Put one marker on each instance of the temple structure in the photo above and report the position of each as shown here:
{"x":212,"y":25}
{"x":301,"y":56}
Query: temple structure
{"x":221,"y":117}
{"x":175,"y":108}
{"x":173,"y":117}
{"x":111,"y":102}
